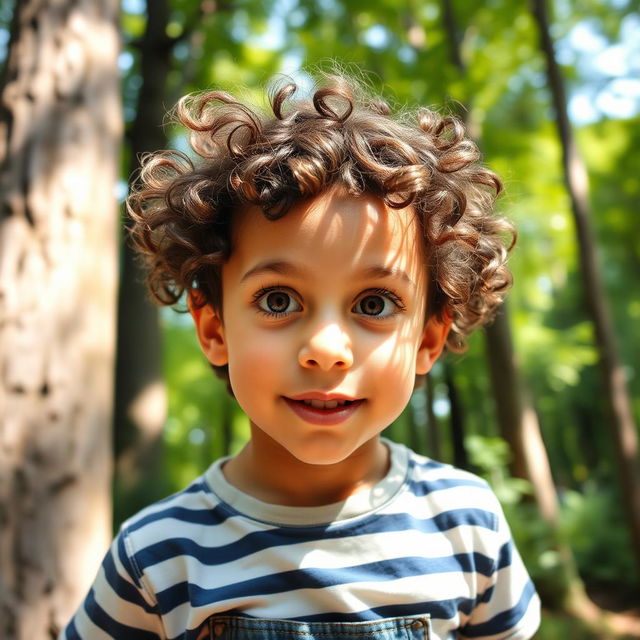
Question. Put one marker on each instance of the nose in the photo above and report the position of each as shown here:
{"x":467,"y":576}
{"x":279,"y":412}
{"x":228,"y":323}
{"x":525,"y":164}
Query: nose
{"x":327,"y":347}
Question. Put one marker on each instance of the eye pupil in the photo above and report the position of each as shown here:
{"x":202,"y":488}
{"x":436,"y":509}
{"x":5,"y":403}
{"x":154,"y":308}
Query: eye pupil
{"x":372,"y":305}
{"x":278,"y":301}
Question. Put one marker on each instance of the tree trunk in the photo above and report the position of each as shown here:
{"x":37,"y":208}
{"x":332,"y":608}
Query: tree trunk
{"x":623,"y":428}
{"x":460,"y":458}
{"x":517,"y":418}
{"x":433,"y":428}
{"x":60,"y":130}
{"x":141,"y":398}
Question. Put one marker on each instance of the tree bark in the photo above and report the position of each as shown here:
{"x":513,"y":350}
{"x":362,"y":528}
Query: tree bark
{"x":60,"y":131}
{"x":616,"y":394}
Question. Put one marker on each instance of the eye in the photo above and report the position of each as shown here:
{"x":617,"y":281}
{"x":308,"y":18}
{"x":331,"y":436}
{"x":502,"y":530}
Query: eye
{"x":378,"y":305}
{"x":276,"y":302}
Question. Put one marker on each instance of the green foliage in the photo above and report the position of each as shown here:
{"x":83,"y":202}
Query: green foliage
{"x":593,"y":523}
{"x":204,"y":423}
{"x":501,"y":83}
{"x":555,"y":626}
{"x":491,"y":455}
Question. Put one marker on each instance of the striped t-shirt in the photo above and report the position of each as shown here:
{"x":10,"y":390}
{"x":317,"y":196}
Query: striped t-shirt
{"x":428,"y":541}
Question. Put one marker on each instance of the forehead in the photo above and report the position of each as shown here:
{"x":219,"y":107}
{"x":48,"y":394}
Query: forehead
{"x":333,"y":227}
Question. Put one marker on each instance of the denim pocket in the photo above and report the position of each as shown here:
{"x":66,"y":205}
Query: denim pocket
{"x":238,"y":628}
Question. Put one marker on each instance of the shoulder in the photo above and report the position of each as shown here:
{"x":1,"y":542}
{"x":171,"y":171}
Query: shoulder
{"x":443,"y":475}
{"x":451,"y":498}
{"x":438,"y":480}
{"x":170,"y":526}
{"x":184,"y":505}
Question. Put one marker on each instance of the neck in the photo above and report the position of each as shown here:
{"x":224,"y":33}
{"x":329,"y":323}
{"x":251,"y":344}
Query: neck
{"x":267,"y":471}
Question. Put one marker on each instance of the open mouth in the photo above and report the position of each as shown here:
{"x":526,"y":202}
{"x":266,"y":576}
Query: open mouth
{"x":325,"y":412}
{"x":328,"y":404}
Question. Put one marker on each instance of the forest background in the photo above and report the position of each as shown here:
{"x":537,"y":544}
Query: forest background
{"x":544,"y":404}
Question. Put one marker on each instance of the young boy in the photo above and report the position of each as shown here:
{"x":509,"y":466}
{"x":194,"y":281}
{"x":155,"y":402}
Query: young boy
{"x":329,"y":252}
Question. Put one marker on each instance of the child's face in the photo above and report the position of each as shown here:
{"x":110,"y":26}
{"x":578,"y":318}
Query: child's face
{"x":323,"y":322}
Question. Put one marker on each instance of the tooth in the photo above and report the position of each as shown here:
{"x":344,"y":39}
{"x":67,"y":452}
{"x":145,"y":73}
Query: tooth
{"x":329,"y":404}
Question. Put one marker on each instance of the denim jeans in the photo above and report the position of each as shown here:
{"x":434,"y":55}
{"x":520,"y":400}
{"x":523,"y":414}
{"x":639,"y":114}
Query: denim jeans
{"x":238,"y":628}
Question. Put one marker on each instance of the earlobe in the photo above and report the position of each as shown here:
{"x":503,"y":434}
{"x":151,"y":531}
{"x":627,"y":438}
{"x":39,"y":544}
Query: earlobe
{"x":434,"y":337}
{"x":210,"y":332}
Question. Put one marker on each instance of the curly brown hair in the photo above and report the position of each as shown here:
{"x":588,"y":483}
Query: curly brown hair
{"x":183,"y":212}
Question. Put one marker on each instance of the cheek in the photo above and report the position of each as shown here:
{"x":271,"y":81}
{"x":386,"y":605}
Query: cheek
{"x":396,"y":356}
{"x":254,"y":358}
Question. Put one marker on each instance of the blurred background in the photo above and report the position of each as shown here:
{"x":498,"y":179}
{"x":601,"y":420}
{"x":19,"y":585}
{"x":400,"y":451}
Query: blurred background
{"x":545,"y":403}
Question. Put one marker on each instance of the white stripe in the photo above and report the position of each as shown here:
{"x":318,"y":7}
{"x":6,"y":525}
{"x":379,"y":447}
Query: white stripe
{"x":86,"y":628}
{"x":321,"y":554}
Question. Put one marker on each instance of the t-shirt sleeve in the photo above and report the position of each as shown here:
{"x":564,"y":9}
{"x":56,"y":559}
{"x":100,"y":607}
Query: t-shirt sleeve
{"x":508,"y":605}
{"x":117,"y":605}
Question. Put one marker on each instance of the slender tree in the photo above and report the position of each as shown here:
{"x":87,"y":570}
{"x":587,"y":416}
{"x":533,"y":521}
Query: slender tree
{"x":433,"y":428}
{"x":457,"y":422}
{"x":60,"y":130}
{"x":140,"y":398}
{"x":512,"y":404}
{"x":517,"y":418}
{"x":616,"y":395}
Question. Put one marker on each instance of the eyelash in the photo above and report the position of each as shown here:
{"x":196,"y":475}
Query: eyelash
{"x":395,"y":298}
{"x":390,"y":295}
{"x":258,"y":295}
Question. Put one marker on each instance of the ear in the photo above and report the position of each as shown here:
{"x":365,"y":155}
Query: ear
{"x":433,"y":340}
{"x":210,"y":332}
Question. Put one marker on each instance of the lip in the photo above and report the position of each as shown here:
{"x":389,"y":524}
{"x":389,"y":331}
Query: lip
{"x":317,"y":416}
{"x":324,"y":397}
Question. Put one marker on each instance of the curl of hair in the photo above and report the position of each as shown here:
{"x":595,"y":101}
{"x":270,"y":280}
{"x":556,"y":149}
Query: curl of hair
{"x":182,"y":212}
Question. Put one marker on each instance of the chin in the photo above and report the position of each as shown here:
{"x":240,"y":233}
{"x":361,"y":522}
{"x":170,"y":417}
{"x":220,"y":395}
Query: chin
{"x":324,"y":453}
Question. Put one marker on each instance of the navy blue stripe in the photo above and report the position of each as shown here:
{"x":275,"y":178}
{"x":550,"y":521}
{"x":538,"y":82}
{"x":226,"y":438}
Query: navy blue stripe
{"x":318,"y":578}
{"x":504,"y":621}
{"x":120,"y":586}
{"x":199,"y":484}
{"x":196,"y":486}
{"x":487,"y":595}
{"x":420,"y":487}
{"x":504,"y":555}
{"x":261,"y":540}
{"x":71,"y":633}
{"x":427,"y":464}
{"x":437,"y":609}
{"x":208,"y":517}
{"x":115,"y":629}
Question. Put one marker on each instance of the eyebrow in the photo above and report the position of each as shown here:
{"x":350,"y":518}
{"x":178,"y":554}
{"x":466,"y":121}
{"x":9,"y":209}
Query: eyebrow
{"x":271,"y":266}
{"x":287,"y":268}
{"x":380,"y":271}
